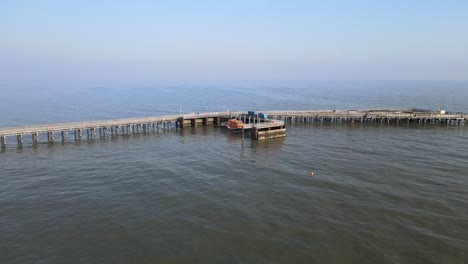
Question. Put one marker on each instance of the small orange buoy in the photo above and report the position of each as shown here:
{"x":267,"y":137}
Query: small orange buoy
{"x":312,"y":173}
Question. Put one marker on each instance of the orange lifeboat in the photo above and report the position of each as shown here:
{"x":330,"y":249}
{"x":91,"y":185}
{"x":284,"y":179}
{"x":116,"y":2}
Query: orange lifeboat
{"x":235,"y":124}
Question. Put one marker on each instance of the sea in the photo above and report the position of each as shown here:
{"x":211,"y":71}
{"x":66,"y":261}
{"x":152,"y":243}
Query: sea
{"x":380,"y":193}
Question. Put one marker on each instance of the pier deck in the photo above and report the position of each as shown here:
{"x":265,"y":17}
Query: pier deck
{"x":146,"y":124}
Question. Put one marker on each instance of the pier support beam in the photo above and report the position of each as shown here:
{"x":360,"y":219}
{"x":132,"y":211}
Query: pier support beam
{"x":35,"y":138}
{"x":254,"y":133}
{"x":3,"y":141}
{"x":19,"y":138}
{"x":64,"y":135}
{"x":50,"y":136}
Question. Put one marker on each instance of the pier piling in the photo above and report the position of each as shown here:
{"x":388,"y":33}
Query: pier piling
{"x":19,"y":138}
{"x":35,"y":137}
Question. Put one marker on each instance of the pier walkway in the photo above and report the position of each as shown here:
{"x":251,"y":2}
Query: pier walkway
{"x":145,"y":124}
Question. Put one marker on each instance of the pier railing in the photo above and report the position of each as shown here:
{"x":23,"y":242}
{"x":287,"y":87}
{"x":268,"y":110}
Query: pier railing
{"x":364,"y":113}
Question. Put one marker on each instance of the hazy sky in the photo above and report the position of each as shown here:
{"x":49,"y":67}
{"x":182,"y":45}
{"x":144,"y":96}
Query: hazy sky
{"x":233,"y":40}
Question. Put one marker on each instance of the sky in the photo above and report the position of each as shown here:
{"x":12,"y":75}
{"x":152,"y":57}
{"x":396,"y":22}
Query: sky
{"x":233,"y":40}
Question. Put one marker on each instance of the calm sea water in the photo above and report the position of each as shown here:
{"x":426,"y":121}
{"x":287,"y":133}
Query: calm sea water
{"x":380,"y":194}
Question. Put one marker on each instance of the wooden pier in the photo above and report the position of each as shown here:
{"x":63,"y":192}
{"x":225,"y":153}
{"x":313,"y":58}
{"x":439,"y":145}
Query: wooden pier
{"x":105,"y":128}
{"x":372,"y":116}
